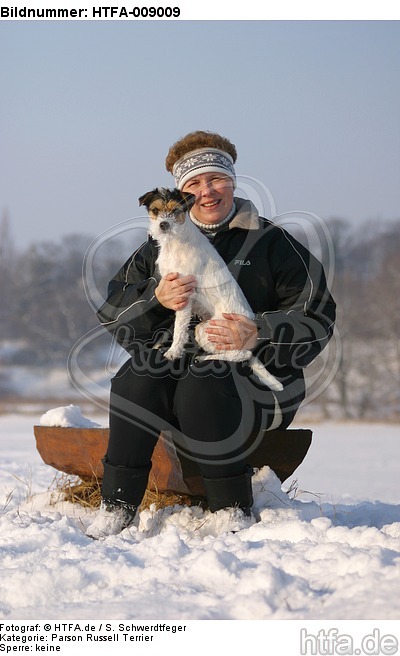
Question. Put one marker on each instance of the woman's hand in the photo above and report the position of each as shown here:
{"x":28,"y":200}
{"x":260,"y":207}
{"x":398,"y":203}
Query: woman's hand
{"x":173,"y":292}
{"x":234,"y":332}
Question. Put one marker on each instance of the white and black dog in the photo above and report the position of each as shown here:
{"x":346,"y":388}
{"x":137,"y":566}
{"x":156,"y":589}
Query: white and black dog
{"x":184,"y":248}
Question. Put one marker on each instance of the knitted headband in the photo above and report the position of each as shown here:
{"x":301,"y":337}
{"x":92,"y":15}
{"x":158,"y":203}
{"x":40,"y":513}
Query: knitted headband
{"x":203,"y":160}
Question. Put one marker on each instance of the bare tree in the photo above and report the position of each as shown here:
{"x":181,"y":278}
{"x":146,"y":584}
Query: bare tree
{"x":8,"y":267}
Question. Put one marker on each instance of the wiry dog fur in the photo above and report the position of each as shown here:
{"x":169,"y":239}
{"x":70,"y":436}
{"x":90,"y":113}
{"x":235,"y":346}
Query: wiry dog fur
{"x":183,"y":248}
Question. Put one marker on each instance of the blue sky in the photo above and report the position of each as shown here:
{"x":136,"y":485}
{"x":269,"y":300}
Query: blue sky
{"x":89,"y":109}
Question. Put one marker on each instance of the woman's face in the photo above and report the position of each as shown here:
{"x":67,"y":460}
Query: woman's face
{"x":214,"y":196}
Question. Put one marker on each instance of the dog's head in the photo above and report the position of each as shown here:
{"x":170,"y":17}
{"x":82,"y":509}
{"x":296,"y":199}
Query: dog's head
{"x":167,"y":209}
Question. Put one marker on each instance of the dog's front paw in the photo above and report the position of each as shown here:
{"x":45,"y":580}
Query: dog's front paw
{"x":172,"y":354}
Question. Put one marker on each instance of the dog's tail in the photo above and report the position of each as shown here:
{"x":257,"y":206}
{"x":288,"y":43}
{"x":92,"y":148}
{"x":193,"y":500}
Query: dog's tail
{"x":257,"y":368}
{"x":264,"y":376}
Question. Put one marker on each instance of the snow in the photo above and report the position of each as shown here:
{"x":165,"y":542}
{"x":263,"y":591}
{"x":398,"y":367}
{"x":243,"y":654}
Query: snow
{"x":69,"y":416}
{"x":332,"y":552}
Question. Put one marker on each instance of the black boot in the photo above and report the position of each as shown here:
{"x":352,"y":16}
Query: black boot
{"x":122,"y":491}
{"x":235,"y":491}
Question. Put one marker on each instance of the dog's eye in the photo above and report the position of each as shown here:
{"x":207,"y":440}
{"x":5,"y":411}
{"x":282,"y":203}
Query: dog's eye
{"x":155,"y":211}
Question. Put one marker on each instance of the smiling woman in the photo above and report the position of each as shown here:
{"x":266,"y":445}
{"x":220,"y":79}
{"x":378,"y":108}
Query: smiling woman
{"x":203,"y":164}
{"x":214,"y":198}
{"x":215,"y":410}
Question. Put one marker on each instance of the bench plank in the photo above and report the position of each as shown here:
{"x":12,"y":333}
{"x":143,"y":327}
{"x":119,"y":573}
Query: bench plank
{"x":79,"y":452}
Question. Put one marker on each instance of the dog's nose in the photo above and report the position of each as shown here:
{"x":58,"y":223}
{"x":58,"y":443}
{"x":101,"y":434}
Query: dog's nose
{"x":164,"y":225}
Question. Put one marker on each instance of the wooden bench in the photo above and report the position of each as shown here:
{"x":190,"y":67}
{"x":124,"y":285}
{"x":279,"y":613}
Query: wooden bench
{"x":79,"y":451}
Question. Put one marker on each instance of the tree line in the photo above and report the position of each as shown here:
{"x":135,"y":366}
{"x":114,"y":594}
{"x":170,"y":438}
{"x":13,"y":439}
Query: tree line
{"x":45,"y":309}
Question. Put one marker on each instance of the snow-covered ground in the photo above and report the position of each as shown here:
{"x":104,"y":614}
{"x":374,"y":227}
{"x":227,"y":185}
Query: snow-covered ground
{"x":328,"y":550}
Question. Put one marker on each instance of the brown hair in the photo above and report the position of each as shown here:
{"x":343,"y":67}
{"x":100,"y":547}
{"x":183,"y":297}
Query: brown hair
{"x":195,"y":140}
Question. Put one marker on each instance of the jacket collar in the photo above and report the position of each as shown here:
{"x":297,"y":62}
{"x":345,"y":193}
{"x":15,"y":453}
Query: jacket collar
{"x":246,"y":216}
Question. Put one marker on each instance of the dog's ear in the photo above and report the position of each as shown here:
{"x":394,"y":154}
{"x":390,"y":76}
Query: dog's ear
{"x":188,"y":201}
{"x":148,"y":197}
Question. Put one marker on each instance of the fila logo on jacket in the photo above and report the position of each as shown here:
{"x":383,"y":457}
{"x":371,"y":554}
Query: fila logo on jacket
{"x":242,"y":262}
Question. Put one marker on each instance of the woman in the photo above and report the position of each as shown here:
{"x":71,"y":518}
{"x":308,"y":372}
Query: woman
{"x":214,"y":410}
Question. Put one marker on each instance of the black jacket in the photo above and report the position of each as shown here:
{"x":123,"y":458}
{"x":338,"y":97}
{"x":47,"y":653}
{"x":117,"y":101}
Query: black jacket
{"x":284,"y":284}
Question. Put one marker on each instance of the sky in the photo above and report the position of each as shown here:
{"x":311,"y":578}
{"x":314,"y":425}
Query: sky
{"x":89,"y":109}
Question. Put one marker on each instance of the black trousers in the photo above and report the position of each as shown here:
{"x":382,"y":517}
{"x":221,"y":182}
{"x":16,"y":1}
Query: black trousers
{"x":213,"y":410}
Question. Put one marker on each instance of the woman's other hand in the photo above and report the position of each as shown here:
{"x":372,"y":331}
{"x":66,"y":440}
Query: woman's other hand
{"x":234,"y":332}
